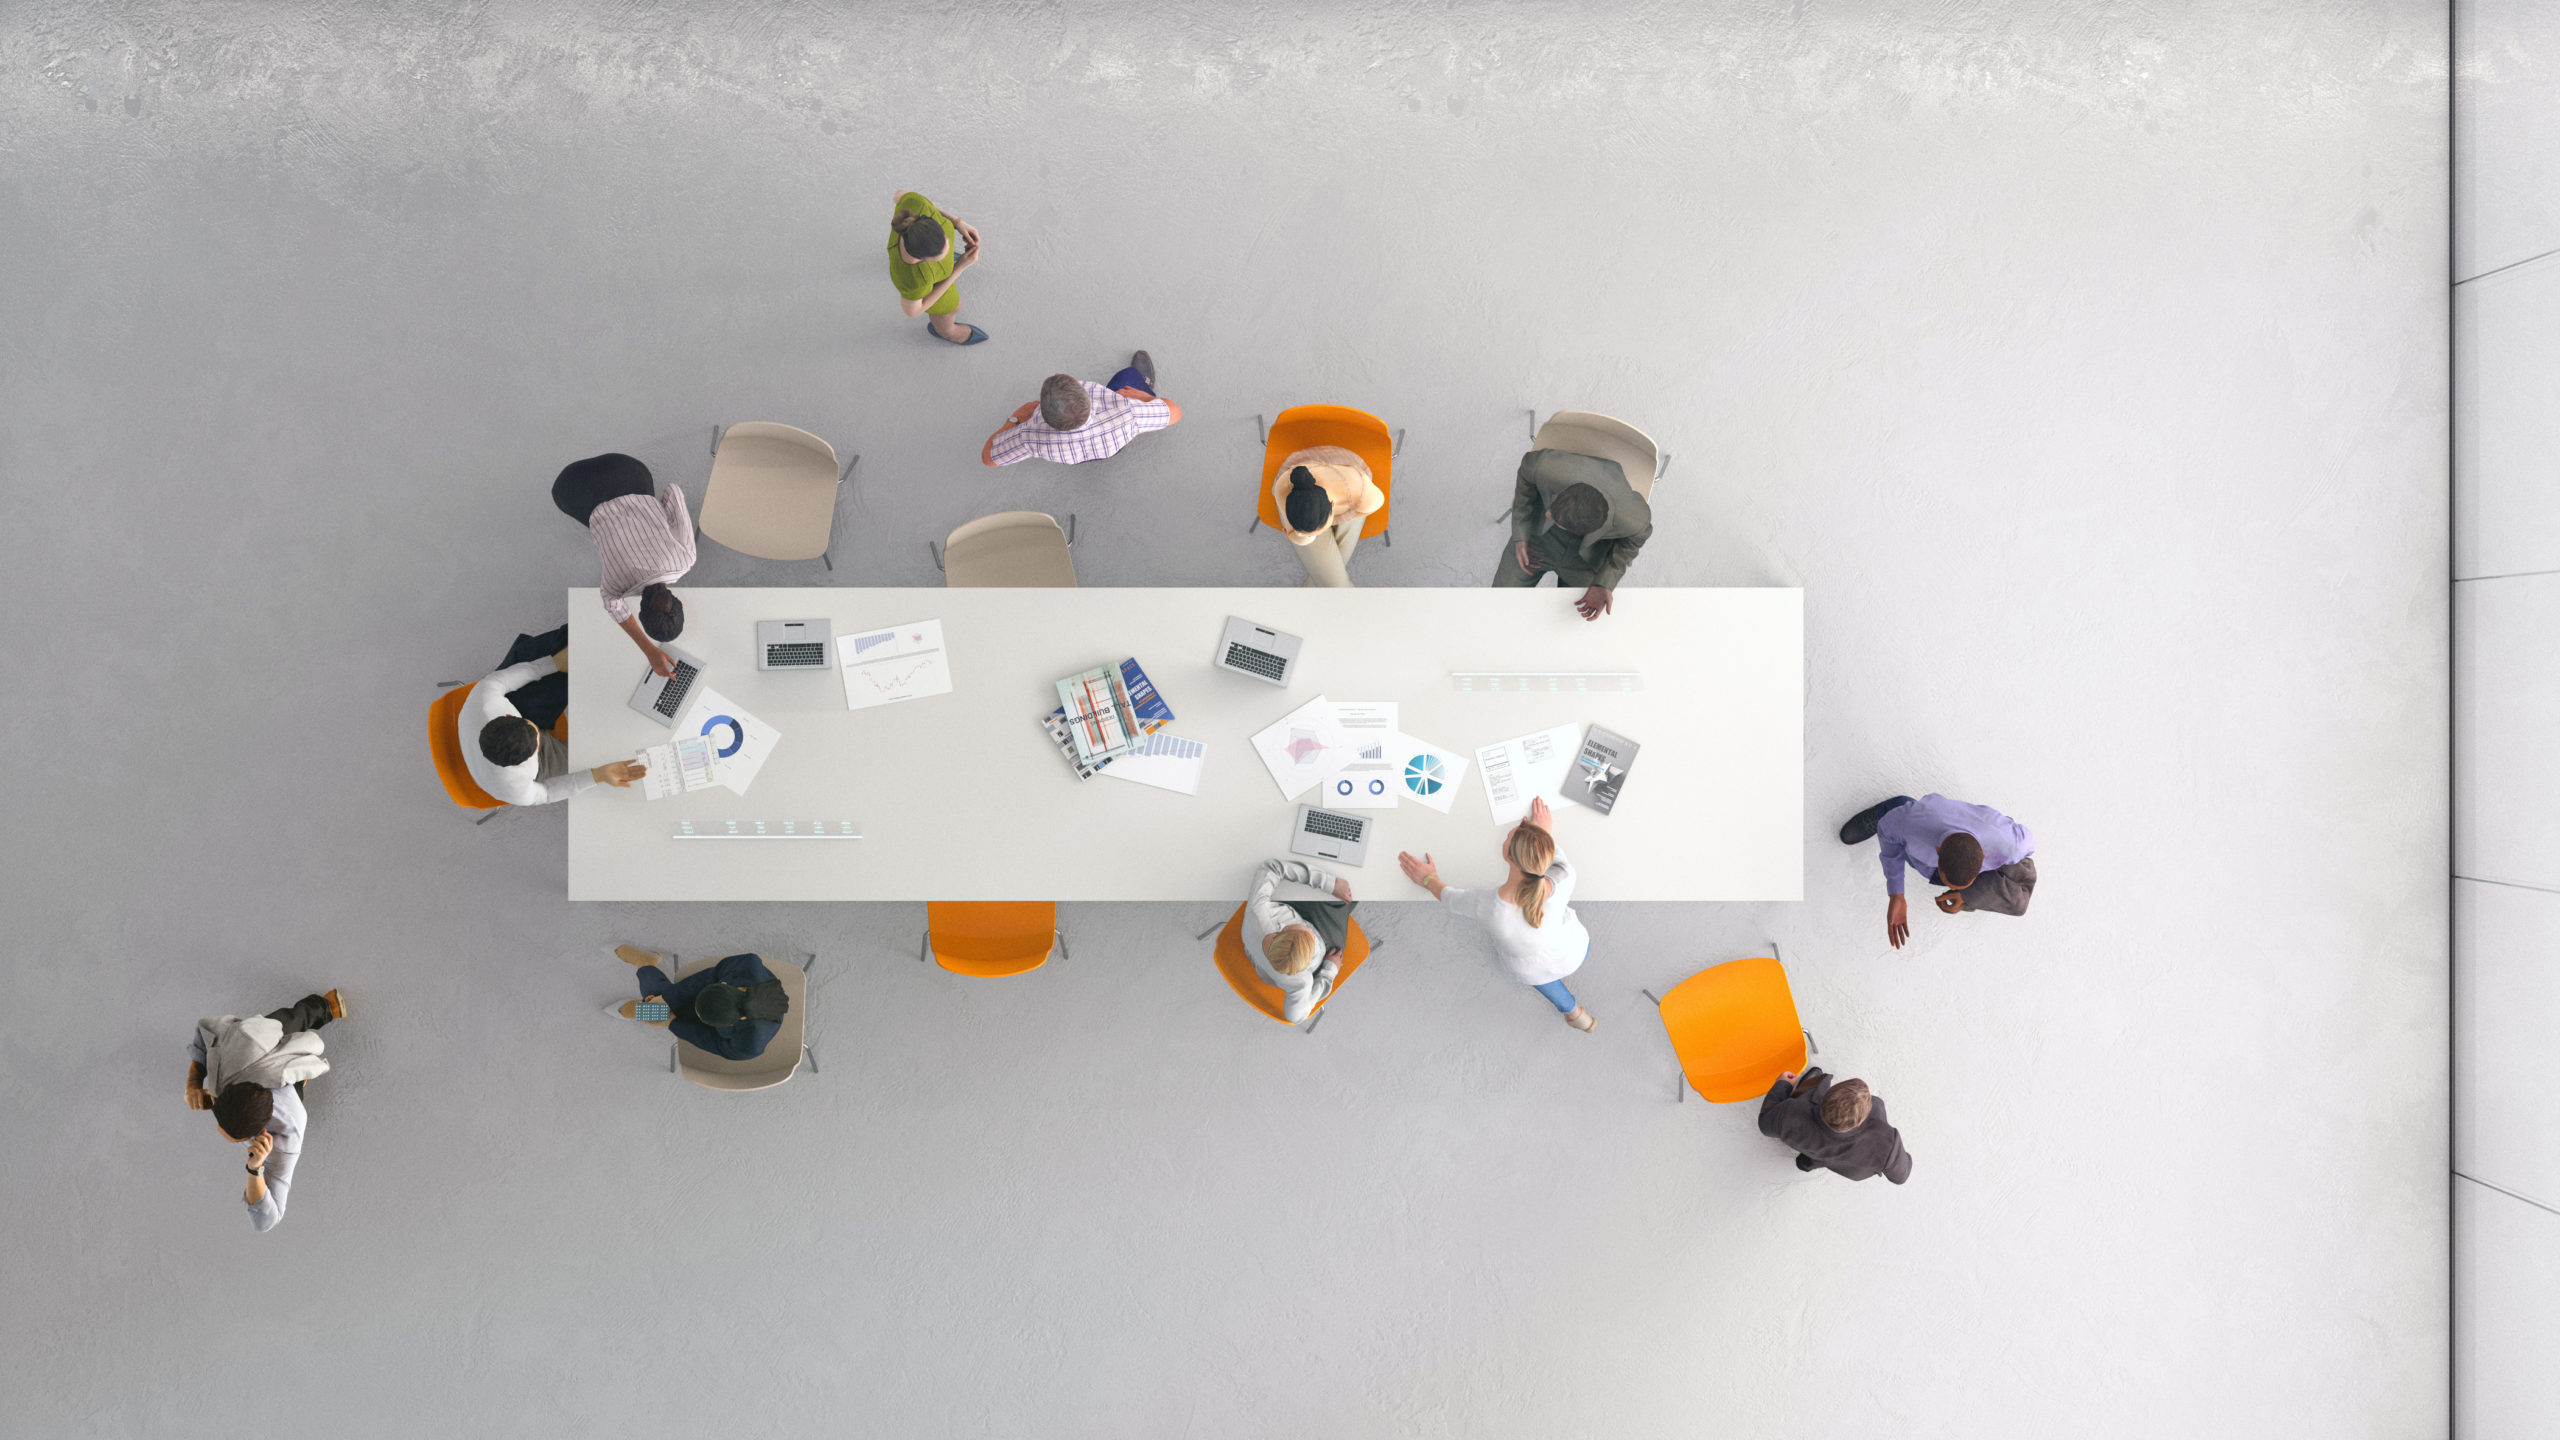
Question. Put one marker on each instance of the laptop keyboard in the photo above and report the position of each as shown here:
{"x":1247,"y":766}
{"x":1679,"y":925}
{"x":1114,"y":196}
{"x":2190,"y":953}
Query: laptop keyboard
{"x":1332,"y":826}
{"x":809,"y":654}
{"x":671,"y":695}
{"x":1259,"y":662}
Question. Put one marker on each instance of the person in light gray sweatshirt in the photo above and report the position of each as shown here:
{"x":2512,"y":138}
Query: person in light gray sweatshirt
{"x":1834,"y":1125}
{"x":1290,"y":900}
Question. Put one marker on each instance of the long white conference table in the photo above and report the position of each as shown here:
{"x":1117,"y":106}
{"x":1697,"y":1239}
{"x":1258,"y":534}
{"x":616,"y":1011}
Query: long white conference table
{"x":964,"y":796}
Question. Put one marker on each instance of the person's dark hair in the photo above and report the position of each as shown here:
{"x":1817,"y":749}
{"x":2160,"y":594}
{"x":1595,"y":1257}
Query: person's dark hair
{"x":1308,"y":506}
{"x":1579,"y":510}
{"x":921,"y":235}
{"x":661,"y":613}
{"x":243,"y":1109}
{"x":1845,"y":1106}
{"x":1063,"y":403}
{"x":509,"y":740}
{"x":1959,"y":859}
{"x":721,"y":1006}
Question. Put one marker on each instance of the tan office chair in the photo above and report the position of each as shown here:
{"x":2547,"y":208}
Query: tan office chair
{"x":1582,"y":432}
{"x":780,"y":1060}
{"x":772,"y":492}
{"x":1016,"y":547}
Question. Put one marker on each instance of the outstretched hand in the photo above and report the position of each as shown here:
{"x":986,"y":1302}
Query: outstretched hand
{"x":1539,"y":814}
{"x":1341,"y":889}
{"x":1897,"y":922}
{"x":1421,"y":872}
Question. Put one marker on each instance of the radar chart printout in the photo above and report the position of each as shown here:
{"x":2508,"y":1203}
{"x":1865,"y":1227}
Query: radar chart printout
{"x":893,"y":663}
{"x":1301,"y":746}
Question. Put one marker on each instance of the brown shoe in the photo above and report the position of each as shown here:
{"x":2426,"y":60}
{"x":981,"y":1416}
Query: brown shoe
{"x":1582,"y":1020}
{"x":337,"y":1005}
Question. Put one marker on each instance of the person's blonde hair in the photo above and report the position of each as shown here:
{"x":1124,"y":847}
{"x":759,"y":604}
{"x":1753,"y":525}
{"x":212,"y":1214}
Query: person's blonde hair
{"x":1532,"y":849}
{"x":1290,"y":951}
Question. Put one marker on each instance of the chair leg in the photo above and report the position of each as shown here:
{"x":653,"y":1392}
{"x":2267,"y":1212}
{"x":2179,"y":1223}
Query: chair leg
{"x":1399,"y":443}
{"x":1060,"y":937}
{"x":1649,"y":995}
{"x":1253,"y":524}
{"x":1312,"y":1022}
{"x":1387,"y":538}
{"x":811,"y":1056}
{"x":1809,"y":1045}
{"x":671,"y":1059}
{"x":488,"y":815}
{"x":1376,"y":944}
{"x":1679,"y":1086}
{"x":924,"y":952}
{"x":936,"y":552}
{"x":828,"y":559}
{"x":1533,"y":424}
{"x":1221,"y":925}
{"x":1666,"y":466}
{"x":1261,"y":436}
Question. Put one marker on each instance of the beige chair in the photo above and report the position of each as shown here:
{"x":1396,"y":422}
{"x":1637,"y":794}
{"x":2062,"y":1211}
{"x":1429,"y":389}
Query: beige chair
{"x":780,"y":1060}
{"x":1582,"y":432}
{"x":1017,"y":547}
{"x":772,"y":492}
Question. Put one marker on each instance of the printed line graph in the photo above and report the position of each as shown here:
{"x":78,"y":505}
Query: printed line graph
{"x":882,"y":667}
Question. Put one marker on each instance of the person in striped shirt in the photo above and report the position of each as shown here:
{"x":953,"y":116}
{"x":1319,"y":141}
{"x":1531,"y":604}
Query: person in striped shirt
{"x":1076,"y":420}
{"x":645,"y":541}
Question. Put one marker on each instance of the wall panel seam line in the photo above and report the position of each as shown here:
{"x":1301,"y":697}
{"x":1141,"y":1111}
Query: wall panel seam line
{"x":2507,"y":575}
{"x":2503,"y":269}
{"x":2510,"y":884}
{"x":2510,"y":1194}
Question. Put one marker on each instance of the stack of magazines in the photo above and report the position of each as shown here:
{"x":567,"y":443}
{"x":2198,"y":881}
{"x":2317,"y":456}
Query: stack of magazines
{"x":1104,"y":712}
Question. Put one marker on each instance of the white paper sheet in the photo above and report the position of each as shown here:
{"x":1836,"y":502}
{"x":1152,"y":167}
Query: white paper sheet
{"x":1361,"y":776}
{"x":739,"y":740}
{"x":684,"y":763}
{"x":1299,"y":747}
{"x":1518,"y":770}
{"x":1164,"y":760}
{"x":893,"y":663}
{"x":1427,"y":774}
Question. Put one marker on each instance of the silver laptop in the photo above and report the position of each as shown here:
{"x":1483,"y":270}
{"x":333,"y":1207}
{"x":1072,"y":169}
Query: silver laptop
{"x":794,"y":645}
{"x":661,"y":697}
{"x":1268,"y":655}
{"x":1331,"y":835}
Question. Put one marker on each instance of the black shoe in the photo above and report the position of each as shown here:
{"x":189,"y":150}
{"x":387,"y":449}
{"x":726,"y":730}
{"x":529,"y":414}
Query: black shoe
{"x":1862,"y":826}
{"x":1144,"y":364}
{"x":1805,"y":1163}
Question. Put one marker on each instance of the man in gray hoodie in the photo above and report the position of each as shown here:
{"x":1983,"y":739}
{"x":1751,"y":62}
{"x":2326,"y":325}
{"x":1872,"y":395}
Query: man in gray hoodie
{"x":249,"y":1073}
{"x":1834,"y":1125}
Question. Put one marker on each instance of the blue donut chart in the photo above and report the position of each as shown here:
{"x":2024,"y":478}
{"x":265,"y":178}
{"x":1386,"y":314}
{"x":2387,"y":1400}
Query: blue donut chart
{"x":737,"y":733}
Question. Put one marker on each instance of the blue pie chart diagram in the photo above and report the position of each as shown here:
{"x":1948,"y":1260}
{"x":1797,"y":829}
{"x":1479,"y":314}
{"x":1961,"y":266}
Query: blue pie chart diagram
{"x":1424,"y":775}
{"x":737,"y":733}
{"x":1377,"y":787}
{"x":1342,"y":787}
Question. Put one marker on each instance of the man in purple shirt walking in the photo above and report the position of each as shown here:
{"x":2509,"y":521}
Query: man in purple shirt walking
{"x":1985,"y":859}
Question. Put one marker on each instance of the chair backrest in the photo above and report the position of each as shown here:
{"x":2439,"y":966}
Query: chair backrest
{"x":1248,"y":983}
{"x":1734,"y":1027}
{"x":1585,"y":432}
{"x":772,"y":492}
{"x":780,"y":1060}
{"x":1014,"y":547}
{"x":444,"y":742}
{"x":1358,"y":431}
{"x":989,"y":938}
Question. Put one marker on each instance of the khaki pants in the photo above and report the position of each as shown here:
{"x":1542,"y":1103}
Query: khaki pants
{"x":2004,"y":891}
{"x":1328,"y":556}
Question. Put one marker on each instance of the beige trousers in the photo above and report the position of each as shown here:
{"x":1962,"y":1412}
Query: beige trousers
{"x":1328,"y":556}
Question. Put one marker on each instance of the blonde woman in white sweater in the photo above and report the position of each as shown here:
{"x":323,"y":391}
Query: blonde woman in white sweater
{"x":1535,"y":932}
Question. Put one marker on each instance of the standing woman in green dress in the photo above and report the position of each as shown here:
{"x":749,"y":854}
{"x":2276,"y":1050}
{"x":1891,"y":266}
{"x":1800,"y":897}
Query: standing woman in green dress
{"x":925,"y":262}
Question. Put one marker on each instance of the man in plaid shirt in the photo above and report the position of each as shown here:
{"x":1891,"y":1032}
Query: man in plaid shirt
{"x":1076,"y":420}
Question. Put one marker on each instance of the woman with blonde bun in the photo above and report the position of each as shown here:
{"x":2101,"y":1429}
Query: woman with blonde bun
{"x":1535,"y":932}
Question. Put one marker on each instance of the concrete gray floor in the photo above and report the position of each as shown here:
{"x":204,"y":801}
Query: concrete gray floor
{"x":2084,"y":364}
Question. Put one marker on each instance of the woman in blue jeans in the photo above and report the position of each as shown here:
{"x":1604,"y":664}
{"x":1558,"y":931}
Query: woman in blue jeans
{"x":1535,"y":932}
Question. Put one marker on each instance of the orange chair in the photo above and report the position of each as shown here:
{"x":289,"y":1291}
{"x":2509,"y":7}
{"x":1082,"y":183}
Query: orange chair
{"x":988,"y":938}
{"x":1357,"y":431}
{"x":445,"y":744}
{"x":1734,"y":1028}
{"x":1250,"y":987}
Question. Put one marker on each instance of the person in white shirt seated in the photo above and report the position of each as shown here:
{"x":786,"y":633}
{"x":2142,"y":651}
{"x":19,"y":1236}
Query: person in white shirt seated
{"x":516,"y":760}
{"x":1535,"y":932}
{"x":1290,"y":899}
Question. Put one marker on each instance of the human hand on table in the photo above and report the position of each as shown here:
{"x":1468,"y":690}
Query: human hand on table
{"x":620,"y":773}
{"x":1594,"y":603}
